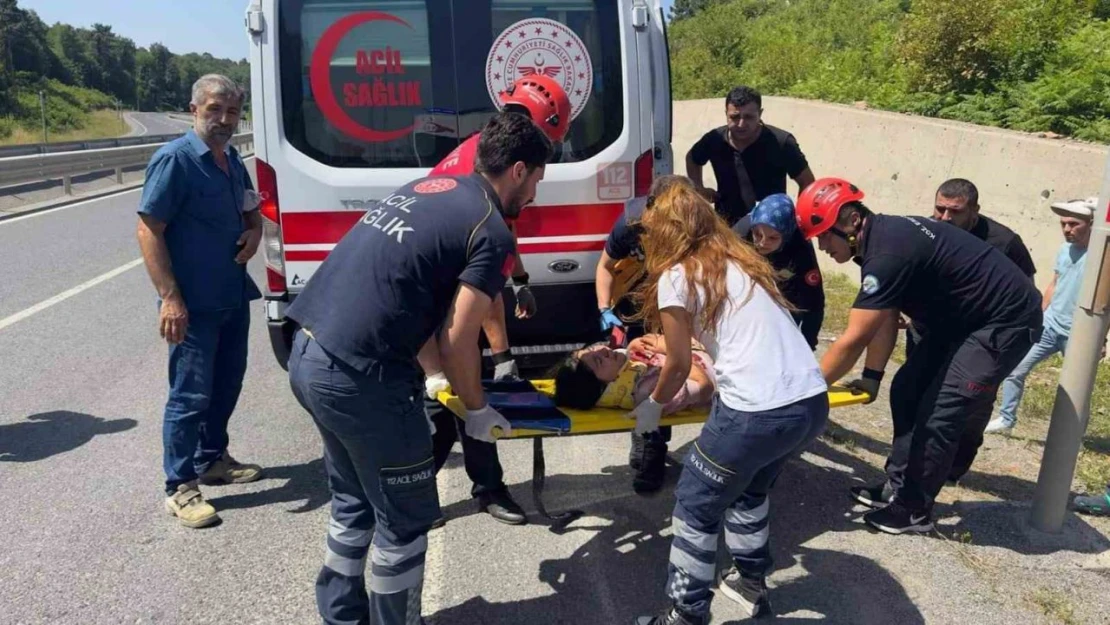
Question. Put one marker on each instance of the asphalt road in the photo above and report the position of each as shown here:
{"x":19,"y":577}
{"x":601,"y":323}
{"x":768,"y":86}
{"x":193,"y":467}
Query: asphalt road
{"x":158,"y":124}
{"x":86,"y":540}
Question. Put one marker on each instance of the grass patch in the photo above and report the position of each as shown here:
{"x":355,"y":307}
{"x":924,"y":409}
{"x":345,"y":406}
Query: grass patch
{"x":1054,"y":604}
{"x":840,"y":293}
{"x":103,"y":124}
{"x":1093,"y":467}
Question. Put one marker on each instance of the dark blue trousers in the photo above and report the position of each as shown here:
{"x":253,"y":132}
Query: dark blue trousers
{"x":378,"y":456}
{"x":725,"y":480}
{"x":206,"y":375}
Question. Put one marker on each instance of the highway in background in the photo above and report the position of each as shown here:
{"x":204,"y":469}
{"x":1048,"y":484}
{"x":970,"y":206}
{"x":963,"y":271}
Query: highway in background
{"x":158,"y":124}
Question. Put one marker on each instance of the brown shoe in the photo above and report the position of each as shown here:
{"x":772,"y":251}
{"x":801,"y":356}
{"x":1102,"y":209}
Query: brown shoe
{"x":190,"y":508}
{"x":228,"y":470}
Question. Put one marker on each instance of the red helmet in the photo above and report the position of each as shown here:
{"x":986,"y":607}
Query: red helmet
{"x":819,"y":204}
{"x":546,"y":102}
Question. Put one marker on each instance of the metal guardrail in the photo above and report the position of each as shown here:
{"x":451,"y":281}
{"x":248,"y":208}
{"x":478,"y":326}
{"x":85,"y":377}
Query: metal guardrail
{"x":65,"y":165}
{"x":31,"y":149}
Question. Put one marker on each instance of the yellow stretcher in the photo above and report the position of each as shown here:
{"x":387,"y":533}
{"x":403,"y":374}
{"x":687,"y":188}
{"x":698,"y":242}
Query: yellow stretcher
{"x":602,"y":421}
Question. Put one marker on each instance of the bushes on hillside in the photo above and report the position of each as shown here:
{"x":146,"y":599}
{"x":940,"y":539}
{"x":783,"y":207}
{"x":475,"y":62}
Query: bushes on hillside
{"x":1036,"y":65}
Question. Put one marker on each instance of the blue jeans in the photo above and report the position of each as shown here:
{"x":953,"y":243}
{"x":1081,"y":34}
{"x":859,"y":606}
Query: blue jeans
{"x":725,"y":478}
{"x":205,"y":375}
{"x":378,"y":457}
{"x":1014,"y":385}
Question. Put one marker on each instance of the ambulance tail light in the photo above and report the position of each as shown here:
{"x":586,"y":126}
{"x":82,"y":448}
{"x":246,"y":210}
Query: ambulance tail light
{"x":271,"y":227}
{"x":643,"y":172}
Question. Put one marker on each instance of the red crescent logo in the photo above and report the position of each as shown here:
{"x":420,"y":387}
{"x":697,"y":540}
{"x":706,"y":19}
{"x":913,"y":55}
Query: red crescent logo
{"x":813,"y":277}
{"x":320,"y":78}
{"x":436,"y":185}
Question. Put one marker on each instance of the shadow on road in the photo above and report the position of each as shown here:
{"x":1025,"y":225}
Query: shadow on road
{"x":1006,"y":525}
{"x":620,"y":572}
{"x":305,"y":483}
{"x":48,"y":434}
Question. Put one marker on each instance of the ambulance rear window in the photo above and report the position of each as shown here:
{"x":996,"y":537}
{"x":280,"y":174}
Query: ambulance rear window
{"x":400,"y":83}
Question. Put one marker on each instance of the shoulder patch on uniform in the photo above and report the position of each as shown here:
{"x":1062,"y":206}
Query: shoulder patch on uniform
{"x":870,"y":284}
{"x":436,"y":185}
{"x":813,"y":277}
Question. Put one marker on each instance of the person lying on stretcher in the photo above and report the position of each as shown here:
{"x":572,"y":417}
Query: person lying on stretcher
{"x":597,"y":376}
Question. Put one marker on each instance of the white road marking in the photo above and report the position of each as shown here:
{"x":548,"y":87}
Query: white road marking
{"x":61,"y":297}
{"x":136,"y":120}
{"x":12,"y":220}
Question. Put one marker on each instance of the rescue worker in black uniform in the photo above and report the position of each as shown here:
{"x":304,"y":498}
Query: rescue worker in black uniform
{"x":957,"y":202}
{"x":980,"y":313}
{"x":419,"y":271}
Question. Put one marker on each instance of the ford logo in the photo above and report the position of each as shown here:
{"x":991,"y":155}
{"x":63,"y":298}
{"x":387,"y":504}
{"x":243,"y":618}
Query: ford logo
{"x":562,"y":266}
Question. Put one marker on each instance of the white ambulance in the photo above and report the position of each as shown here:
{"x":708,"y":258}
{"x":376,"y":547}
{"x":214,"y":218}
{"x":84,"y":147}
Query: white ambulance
{"x":352,"y":99}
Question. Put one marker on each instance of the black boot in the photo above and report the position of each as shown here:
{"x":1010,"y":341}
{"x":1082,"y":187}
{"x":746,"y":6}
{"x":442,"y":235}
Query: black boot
{"x":673,"y":616}
{"x":636,"y":452}
{"x":501,"y":506}
{"x":651,"y":470}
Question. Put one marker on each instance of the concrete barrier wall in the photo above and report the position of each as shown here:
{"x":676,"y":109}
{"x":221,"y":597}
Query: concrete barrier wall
{"x":899,"y":160}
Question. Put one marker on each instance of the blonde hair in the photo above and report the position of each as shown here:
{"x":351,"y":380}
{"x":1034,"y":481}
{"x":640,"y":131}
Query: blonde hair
{"x":683,"y":229}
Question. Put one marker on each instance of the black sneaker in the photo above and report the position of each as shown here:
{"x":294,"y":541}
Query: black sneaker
{"x":749,"y":592}
{"x":897,"y":519}
{"x":501,"y":506}
{"x":674,"y":616}
{"x":875,"y":496}
{"x":650,"y":472}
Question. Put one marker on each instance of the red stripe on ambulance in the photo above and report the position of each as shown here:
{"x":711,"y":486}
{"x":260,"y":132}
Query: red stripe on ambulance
{"x":324,"y":227}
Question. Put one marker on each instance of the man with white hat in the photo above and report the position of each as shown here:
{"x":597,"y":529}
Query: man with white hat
{"x":1059,"y":304}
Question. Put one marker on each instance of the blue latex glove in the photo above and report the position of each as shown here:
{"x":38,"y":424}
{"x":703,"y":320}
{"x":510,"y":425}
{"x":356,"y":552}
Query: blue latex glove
{"x":609,"y":320}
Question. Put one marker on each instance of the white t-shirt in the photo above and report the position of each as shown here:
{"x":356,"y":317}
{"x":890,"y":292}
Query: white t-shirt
{"x":760,"y":357}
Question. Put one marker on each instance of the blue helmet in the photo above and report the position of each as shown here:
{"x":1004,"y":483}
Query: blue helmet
{"x":777,"y":212}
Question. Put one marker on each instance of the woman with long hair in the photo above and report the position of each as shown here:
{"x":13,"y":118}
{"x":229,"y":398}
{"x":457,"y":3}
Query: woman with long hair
{"x":704,"y":282}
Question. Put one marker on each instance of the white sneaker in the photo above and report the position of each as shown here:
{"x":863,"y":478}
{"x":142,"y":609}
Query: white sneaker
{"x":998,"y":426}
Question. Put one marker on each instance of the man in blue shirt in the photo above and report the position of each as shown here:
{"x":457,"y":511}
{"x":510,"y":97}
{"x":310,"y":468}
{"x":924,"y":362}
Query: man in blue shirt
{"x":198,"y":227}
{"x":1059,"y":304}
{"x":418,"y":273}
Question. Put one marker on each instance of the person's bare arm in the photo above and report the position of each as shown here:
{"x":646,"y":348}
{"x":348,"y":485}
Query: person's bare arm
{"x":675,"y":370}
{"x":428,"y":357}
{"x":458,"y":345}
{"x":804,"y":179}
{"x":694,"y":171}
{"x":173,"y":317}
{"x":882,"y":345}
{"x":603,"y":280}
{"x":1046,"y":299}
{"x":863,"y":325}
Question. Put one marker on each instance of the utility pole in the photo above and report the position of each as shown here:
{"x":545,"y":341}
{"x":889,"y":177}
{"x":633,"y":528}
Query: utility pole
{"x":42,"y":106}
{"x":1072,"y":409}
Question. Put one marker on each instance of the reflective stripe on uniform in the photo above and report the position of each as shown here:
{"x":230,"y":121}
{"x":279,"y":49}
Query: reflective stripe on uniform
{"x":691,"y":565}
{"x":395,"y":568}
{"x":348,"y":535}
{"x":349,"y":567}
{"x":699,"y":540}
{"x":387,"y":584}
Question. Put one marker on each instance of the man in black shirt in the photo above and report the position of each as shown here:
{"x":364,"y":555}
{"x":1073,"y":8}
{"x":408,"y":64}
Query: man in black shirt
{"x":980,"y":313}
{"x":957,"y":202}
{"x":419,"y":271}
{"x":750,"y":159}
{"x":773,"y":229}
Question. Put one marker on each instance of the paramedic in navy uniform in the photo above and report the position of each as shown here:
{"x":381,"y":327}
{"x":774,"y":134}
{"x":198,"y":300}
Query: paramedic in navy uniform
{"x":419,"y":271}
{"x":980,"y":313}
